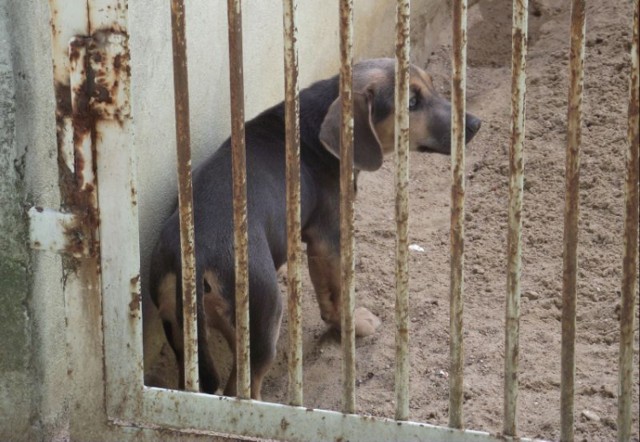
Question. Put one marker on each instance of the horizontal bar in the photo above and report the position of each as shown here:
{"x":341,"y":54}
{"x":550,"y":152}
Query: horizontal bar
{"x":514,"y":236}
{"x":190,"y":374}
{"x":226,"y":416}
{"x":402,"y":208}
{"x":570,"y":263}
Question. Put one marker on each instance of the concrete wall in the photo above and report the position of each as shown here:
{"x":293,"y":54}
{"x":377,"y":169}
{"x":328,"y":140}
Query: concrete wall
{"x":14,"y":333}
{"x":39,"y":392}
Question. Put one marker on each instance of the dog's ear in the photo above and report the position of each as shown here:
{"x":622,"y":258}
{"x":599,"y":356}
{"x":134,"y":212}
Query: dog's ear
{"x":367,"y":150}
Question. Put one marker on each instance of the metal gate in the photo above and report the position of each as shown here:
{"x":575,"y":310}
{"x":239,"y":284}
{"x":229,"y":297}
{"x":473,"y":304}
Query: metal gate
{"x":92,"y":79}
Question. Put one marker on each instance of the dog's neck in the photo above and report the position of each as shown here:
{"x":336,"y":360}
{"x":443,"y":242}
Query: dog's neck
{"x":314,"y":105}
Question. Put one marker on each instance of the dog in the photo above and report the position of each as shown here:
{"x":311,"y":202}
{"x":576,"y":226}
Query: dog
{"x":373,"y":102}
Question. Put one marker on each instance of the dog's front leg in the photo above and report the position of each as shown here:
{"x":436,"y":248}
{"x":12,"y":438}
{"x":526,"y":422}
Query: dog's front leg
{"x":324,"y":269}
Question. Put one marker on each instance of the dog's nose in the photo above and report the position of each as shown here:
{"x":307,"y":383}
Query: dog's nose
{"x":472,"y":126}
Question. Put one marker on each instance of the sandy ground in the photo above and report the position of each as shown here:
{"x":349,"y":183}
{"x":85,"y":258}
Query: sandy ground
{"x":600,"y":243}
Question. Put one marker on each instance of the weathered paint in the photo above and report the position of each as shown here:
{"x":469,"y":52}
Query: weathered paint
{"x":120,"y":255}
{"x":185,"y":197}
{"x":82,"y":119}
{"x":457,"y":212}
{"x":630,"y":247}
{"x":92,"y":99}
{"x":76,"y":175}
{"x":571,"y":211}
{"x":110,"y":95}
{"x":402,"y":208}
{"x":75,"y":124}
{"x":294,"y":244}
{"x":241,"y":241}
{"x":50,"y":230}
{"x":514,"y":236}
{"x":347,"y":194}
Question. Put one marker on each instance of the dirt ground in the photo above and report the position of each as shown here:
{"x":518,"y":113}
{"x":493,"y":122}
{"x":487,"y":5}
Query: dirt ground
{"x":600,"y":241}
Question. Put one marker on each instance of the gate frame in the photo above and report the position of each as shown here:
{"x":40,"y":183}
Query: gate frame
{"x":110,"y":269}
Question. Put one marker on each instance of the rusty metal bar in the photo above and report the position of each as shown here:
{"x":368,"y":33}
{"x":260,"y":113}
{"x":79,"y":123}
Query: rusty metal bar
{"x":569,"y":287}
{"x":457,"y":211}
{"x":402,"y":208}
{"x":185,"y":196}
{"x":347,"y":195}
{"x":630,"y":254}
{"x":212,"y":415}
{"x":514,"y":244}
{"x":241,"y":239}
{"x":294,"y":244}
{"x":119,"y":247}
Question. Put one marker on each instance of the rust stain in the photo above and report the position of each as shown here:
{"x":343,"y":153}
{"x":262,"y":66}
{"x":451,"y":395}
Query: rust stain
{"x":134,"y":305}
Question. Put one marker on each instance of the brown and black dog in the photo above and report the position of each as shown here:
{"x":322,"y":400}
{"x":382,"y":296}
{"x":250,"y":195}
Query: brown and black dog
{"x":373,"y":86}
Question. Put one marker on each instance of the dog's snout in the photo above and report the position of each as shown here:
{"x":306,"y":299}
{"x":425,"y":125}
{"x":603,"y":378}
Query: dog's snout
{"x":473,"y":126}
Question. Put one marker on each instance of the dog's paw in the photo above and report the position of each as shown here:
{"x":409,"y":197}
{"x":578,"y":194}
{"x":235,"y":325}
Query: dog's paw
{"x":365,"y":322}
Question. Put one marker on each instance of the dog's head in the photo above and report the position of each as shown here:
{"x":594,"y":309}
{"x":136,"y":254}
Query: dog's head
{"x":374,"y":115}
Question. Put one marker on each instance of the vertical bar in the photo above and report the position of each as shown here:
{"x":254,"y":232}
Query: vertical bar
{"x":402,"y":208}
{"x":294,"y":245}
{"x":119,"y":247}
{"x":185,"y":196}
{"x":82,"y":307}
{"x":241,"y":241}
{"x":514,"y":244}
{"x":569,"y":289}
{"x":457,"y":210}
{"x":630,"y":254}
{"x":346,"y":209}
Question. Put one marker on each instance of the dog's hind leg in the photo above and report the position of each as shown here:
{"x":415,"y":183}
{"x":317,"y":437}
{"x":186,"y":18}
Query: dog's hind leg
{"x":168,"y":310}
{"x":265,"y":312}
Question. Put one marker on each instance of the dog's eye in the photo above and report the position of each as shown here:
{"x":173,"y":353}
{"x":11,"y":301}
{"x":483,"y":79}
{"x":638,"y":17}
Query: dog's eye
{"x":413,"y":102}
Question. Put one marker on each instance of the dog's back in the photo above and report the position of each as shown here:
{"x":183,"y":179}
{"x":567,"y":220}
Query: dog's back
{"x":213,"y":227}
